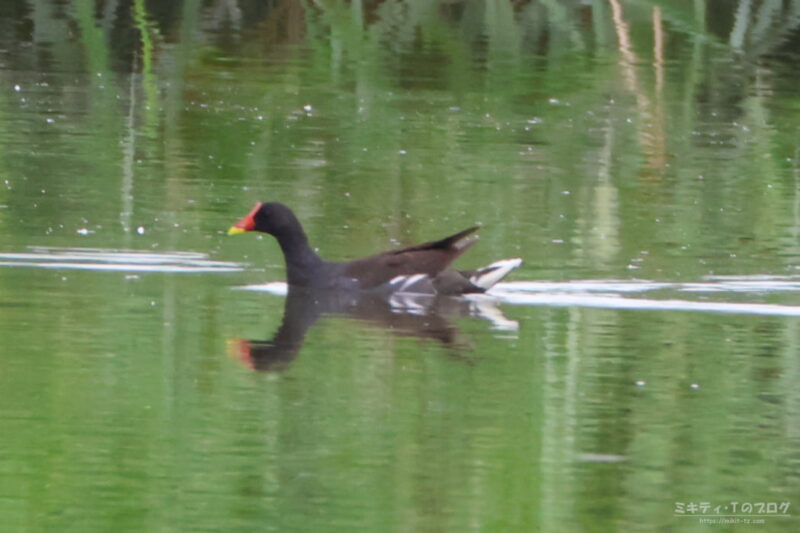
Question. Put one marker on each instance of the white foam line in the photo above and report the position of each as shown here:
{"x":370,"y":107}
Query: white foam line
{"x":275,"y":287}
{"x":616,"y":286}
{"x":583,"y":286}
{"x":114,"y":251}
{"x":752,"y":277}
{"x":549,"y":299}
{"x":741,"y":286}
{"x":122,"y":267}
{"x":115,"y":260}
{"x":126,"y":258}
{"x":610,"y":302}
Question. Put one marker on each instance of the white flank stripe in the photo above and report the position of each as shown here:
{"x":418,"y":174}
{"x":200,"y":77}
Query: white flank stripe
{"x":411,"y":281}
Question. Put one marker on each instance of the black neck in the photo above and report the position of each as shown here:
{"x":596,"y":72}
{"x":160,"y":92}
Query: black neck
{"x":301,"y":261}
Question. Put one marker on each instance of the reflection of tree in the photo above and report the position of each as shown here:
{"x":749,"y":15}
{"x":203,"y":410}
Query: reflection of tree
{"x":651,"y":115}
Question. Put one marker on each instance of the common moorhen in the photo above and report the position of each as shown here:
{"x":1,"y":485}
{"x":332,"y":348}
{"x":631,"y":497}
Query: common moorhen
{"x":417,"y":269}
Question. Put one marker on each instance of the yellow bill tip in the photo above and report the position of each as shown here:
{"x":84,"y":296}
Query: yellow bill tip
{"x":236,"y":231}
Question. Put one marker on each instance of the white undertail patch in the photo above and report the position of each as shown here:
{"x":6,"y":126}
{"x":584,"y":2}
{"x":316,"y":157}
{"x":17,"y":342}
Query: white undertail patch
{"x":486,"y":277}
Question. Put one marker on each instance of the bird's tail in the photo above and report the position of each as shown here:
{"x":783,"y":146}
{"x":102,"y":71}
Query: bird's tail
{"x":486,"y":277}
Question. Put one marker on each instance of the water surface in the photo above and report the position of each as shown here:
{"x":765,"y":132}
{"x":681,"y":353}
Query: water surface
{"x":640,"y":157}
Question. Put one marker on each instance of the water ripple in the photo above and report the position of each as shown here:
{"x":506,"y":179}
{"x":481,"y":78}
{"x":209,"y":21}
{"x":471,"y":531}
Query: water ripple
{"x":609,"y":294}
{"x":614,"y":294}
{"x":115,"y":260}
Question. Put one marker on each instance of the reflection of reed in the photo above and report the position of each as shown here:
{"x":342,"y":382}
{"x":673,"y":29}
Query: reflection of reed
{"x":128,"y":157}
{"x":659,"y":156}
{"x":651,"y":123}
{"x":740,"y":26}
{"x":148,"y":35}
{"x":766,"y":29}
{"x":658,"y":51}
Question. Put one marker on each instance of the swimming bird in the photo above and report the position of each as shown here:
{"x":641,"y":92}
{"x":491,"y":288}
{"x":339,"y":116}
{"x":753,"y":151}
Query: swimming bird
{"x":423,"y":268}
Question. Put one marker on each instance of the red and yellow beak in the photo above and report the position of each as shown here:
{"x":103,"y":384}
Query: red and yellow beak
{"x":247,"y":223}
{"x":240,"y":349}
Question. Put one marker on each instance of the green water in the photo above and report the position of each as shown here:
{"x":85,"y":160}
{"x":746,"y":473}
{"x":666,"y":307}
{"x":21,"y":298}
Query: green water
{"x":607,"y":141}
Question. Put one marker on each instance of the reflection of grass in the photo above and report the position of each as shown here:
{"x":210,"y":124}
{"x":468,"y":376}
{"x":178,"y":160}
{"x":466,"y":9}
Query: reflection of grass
{"x":456,"y":98}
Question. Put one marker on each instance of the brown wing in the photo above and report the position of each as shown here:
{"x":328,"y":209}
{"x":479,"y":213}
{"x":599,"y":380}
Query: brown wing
{"x":428,"y":258}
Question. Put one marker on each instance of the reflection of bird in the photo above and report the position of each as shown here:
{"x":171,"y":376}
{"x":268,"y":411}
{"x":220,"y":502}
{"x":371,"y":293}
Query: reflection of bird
{"x":419,"y":316}
{"x":417,"y":269}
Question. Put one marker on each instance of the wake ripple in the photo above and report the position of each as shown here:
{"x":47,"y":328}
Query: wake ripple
{"x":617,"y":294}
{"x":115,"y":260}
